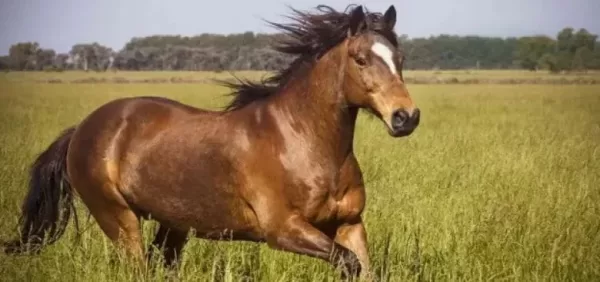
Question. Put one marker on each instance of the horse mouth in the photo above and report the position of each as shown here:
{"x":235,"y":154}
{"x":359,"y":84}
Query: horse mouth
{"x":403,"y":132}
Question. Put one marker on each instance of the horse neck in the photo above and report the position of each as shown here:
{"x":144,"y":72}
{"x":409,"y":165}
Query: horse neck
{"x":314,"y":107}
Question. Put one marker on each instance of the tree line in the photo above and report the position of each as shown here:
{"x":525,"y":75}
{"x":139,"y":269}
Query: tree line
{"x":570,"y":50}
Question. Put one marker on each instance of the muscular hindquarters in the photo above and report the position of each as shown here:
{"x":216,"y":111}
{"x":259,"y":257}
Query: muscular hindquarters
{"x":138,"y":155}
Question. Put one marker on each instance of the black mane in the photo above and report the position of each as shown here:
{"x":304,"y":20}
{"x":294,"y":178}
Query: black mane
{"x":308,"y":37}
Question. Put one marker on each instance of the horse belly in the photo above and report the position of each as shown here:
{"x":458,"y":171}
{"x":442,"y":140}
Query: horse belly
{"x":207,"y":209}
{"x":190,"y":189}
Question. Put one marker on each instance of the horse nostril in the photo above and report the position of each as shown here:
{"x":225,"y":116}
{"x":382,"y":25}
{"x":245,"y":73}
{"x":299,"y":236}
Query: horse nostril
{"x":416,"y":116}
{"x":399,"y":117}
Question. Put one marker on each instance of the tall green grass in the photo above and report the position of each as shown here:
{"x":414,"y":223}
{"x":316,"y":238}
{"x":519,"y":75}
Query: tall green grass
{"x":498,"y":183}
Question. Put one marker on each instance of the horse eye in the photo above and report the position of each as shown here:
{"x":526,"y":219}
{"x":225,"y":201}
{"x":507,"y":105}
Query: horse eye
{"x":361,"y":61}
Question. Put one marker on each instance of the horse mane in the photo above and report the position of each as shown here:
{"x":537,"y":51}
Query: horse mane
{"x":308,"y":37}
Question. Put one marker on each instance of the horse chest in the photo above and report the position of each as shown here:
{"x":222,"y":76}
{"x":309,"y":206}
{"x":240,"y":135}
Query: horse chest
{"x":324,"y":192}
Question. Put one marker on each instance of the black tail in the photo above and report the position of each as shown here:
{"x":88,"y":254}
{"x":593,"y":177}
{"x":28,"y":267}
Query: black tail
{"x":47,"y":207}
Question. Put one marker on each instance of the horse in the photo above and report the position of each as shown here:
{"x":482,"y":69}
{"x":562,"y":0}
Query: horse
{"x":275,"y":165}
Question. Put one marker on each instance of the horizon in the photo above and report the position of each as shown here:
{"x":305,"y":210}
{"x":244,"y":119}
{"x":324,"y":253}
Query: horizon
{"x":99,"y":22}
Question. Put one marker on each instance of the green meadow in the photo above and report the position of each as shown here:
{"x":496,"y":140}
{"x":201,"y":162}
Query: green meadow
{"x":499,"y":183}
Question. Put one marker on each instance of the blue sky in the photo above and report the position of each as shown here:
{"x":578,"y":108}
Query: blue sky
{"x":59,"y":24}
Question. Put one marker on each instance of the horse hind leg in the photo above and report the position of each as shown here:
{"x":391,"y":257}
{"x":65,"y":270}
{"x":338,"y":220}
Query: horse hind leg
{"x":115,"y":217}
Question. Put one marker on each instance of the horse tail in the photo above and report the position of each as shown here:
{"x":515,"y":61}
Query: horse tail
{"x":46,"y":209}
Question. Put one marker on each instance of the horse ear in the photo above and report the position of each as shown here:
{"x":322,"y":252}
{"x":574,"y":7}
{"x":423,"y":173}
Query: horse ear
{"x":357,"y":20}
{"x":389,"y":18}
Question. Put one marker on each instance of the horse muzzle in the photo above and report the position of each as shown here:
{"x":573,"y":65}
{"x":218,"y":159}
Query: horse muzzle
{"x":403,"y":123}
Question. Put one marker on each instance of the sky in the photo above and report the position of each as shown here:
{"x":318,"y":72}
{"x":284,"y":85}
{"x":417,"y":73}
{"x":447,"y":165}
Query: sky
{"x":59,"y":24}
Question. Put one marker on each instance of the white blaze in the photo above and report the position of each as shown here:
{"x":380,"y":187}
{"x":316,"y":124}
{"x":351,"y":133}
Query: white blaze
{"x":385,"y":54}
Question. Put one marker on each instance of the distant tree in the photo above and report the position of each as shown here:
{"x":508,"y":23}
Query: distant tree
{"x":61,"y":62}
{"x":571,"y":50}
{"x":548,"y":62}
{"x":595,"y":63}
{"x":531,"y":49}
{"x":91,"y":56}
{"x":45,"y":59}
{"x":5,"y":63}
{"x":583,"y":59}
{"x":582,"y":38}
{"x":575,"y":50}
{"x":565,"y":42}
{"x":24,"y":55}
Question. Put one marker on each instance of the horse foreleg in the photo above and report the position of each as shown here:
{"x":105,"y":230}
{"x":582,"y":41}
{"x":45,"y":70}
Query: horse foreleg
{"x":171,"y":242}
{"x":354,"y":237}
{"x":298,"y":236}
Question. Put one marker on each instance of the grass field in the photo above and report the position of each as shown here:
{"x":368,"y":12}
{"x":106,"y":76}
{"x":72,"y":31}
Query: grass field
{"x":499,"y":183}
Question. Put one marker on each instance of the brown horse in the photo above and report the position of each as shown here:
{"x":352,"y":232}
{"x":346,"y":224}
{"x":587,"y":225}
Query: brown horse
{"x":275,"y":166}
